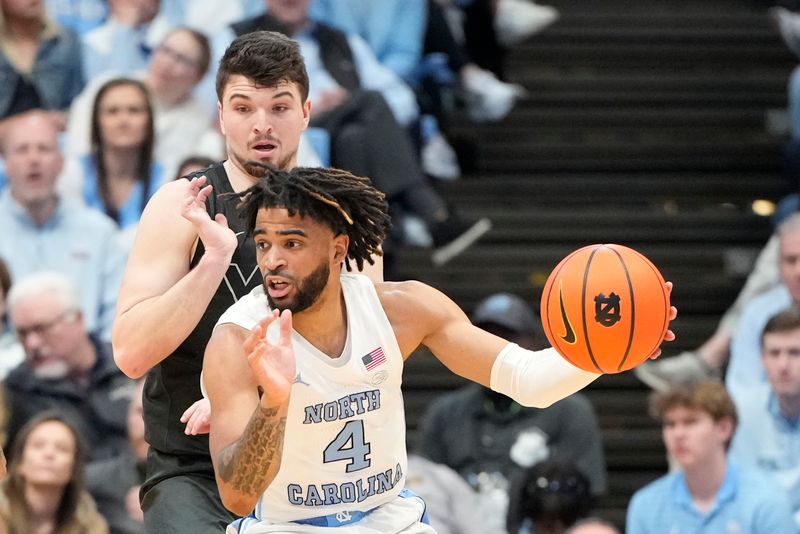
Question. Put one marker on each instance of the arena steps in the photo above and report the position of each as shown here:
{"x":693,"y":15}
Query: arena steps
{"x":659,"y":190}
{"x":655,"y":124}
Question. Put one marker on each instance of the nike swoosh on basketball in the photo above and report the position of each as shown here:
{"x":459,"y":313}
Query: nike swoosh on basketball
{"x":569,"y":335}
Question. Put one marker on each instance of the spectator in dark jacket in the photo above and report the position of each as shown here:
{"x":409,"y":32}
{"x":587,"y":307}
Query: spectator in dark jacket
{"x":65,"y":368}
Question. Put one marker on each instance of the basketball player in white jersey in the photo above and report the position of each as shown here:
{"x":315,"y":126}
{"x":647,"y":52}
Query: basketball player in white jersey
{"x":304,"y":373}
{"x":187,"y":266}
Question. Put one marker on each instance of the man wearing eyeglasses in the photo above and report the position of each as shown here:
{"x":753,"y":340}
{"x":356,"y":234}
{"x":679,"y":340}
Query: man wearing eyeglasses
{"x":65,"y":368}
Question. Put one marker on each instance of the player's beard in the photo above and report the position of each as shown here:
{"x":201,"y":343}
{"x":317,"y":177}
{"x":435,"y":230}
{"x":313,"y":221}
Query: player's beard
{"x":258,"y":168}
{"x":307,"y":290}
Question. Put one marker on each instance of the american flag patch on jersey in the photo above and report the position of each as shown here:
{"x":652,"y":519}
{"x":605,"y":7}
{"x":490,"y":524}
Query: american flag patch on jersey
{"x":374,"y":359}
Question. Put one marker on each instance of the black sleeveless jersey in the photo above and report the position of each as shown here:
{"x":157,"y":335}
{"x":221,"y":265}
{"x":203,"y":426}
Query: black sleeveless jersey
{"x":174,"y":384}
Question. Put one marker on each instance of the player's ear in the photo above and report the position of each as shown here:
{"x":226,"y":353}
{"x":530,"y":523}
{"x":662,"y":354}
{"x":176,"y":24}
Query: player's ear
{"x":219,"y":118}
{"x":306,"y":113}
{"x":340,"y":245}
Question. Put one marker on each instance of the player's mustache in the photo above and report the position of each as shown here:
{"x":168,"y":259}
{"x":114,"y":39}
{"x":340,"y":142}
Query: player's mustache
{"x":261,"y":139}
{"x":279,"y":272}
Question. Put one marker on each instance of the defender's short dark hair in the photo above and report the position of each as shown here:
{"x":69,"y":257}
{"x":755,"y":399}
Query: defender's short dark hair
{"x":267,"y":58}
{"x":346,"y":203}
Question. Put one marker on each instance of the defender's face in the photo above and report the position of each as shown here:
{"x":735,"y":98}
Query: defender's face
{"x":296,"y":256}
{"x":262,"y":124}
{"x":692,"y":436}
{"x":780,"y":352}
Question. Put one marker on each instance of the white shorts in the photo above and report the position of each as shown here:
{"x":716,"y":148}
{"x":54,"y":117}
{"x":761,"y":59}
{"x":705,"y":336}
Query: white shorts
{"x":400,"y":516}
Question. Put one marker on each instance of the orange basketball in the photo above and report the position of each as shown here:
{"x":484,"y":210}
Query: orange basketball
{"x":605,"y":308}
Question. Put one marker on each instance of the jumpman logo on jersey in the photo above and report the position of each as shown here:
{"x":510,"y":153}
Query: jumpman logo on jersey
{"x":299,"y":380}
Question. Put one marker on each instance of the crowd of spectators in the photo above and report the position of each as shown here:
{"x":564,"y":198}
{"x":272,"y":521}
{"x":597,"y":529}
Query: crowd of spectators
{"x":103,"y":102}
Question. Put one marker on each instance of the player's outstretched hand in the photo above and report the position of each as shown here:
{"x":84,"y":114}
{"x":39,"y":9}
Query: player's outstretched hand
{"x":197,"y":418}
{"x":670,"y":335}
{"x":215,"y":234}
{"x":272,"y":364}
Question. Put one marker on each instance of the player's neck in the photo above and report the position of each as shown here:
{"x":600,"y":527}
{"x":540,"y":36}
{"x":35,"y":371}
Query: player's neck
{"x":324,"y":324}
{"x":240,"y":179}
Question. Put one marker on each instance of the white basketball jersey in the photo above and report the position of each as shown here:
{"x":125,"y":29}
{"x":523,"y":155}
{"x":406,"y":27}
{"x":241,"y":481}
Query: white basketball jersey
{"x":345,"y":444}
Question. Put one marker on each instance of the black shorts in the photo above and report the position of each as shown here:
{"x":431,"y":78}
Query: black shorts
{"x":185,"y":501}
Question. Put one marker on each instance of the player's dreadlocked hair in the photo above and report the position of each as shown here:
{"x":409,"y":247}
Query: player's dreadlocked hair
{"x":348,"y":204}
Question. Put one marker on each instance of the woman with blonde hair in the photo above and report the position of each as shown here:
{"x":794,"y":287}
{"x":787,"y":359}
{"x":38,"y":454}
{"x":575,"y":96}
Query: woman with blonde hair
{"x":43,"y":492}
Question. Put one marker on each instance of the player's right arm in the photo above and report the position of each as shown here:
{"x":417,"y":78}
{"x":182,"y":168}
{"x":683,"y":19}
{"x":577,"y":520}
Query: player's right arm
{"x":161,"y":300}
{"x":247,"y":430}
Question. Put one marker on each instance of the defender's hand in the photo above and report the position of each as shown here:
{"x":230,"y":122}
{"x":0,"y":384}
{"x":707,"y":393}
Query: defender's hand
{"x":215,"y":234}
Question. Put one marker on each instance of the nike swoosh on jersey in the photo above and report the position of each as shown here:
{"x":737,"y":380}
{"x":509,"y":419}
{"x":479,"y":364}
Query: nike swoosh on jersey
{"x":569,"y":334}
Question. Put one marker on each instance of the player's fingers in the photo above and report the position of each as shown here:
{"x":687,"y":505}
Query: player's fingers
{"x":199,"y":423}
{"x":187,"y":415}
{"x":673,"y":313}
{"x":255,"y":355}
{"x":203,"y":194}
{"x":257,"y":332}
{"x":197,"y":183}
{"x":203,"y":426}
{"x":286,"y":328}
{"x":188,"y":202}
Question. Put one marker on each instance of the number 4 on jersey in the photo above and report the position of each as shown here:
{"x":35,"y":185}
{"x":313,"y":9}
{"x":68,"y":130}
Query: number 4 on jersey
{"x":349,"y":445}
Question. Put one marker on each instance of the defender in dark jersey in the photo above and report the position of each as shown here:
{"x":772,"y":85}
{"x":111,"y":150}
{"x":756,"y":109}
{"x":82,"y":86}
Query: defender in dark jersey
{"x":190,"y":261}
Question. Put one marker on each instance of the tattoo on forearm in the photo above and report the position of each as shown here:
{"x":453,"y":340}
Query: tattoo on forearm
{"x":245,"y":464}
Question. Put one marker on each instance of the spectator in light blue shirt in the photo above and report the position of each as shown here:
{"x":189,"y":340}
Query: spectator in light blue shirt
{"x":745,"y":369}
{"x":709,"y":494}
{"x":124,"y":42}
{"x":119,"y":175}
{"x":42,"y":231}
{"x":394,"y":30}
{"x":769,"y":433}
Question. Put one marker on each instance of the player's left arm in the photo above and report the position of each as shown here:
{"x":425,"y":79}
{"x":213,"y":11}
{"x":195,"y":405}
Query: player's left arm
{"x":247,"y":430}
{"x":422,"y":315}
